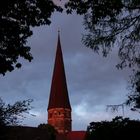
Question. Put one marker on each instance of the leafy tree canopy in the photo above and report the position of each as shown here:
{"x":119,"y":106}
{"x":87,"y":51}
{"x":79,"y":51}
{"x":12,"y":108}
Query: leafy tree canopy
{"x":117,"y":129}
{"x":16,"y":19}
{"x":13,"y":114}
{"x":50,"y":130}
{"x":112,"y":23}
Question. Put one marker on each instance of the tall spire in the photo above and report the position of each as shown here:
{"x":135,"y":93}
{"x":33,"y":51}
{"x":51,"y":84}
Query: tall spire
{"x":59,"y":109}
{"x":59,"y":93}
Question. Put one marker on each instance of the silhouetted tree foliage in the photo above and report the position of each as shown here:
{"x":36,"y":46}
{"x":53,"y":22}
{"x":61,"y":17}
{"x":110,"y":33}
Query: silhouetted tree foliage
{"x":134,"y":96}
{"x":50,"y":130}
{"x":13,"y":114}
{"x":112,"y":23}
{"x":117,"y":129}
{"x":16,"y":19}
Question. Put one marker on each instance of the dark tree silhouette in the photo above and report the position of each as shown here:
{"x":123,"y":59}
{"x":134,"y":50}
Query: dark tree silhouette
{"x":115,"y":108}
{"x":112,"y":23}
{"x":134,"y":96}
{"x":49,"y":129}
{"x":16,"y":19}
{"x":13,"y":114}
{"x":117,"y":129}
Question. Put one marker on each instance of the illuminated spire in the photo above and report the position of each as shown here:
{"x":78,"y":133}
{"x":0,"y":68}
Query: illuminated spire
{"x":59,"y":94}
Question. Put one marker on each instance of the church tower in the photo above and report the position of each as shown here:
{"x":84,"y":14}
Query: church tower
{"x":59,"y":108}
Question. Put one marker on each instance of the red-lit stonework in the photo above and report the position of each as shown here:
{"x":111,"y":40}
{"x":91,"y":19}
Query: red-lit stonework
{"x":60,"y":118}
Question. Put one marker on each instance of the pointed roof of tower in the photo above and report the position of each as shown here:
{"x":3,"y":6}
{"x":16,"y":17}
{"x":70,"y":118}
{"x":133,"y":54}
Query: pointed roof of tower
{"x":59,"y":94}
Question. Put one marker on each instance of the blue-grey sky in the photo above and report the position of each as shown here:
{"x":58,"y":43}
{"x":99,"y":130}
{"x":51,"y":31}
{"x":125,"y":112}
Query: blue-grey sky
{"x":93,"y":81}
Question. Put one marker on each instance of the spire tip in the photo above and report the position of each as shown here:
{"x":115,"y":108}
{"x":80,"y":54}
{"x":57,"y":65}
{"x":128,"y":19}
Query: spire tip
{"x":58,"y":30}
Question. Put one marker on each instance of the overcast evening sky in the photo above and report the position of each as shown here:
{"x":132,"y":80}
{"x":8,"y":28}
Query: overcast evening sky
{"x":93,"y":81}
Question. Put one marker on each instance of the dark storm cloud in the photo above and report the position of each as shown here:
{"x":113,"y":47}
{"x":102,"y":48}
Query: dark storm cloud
{"x":93,"y":81}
